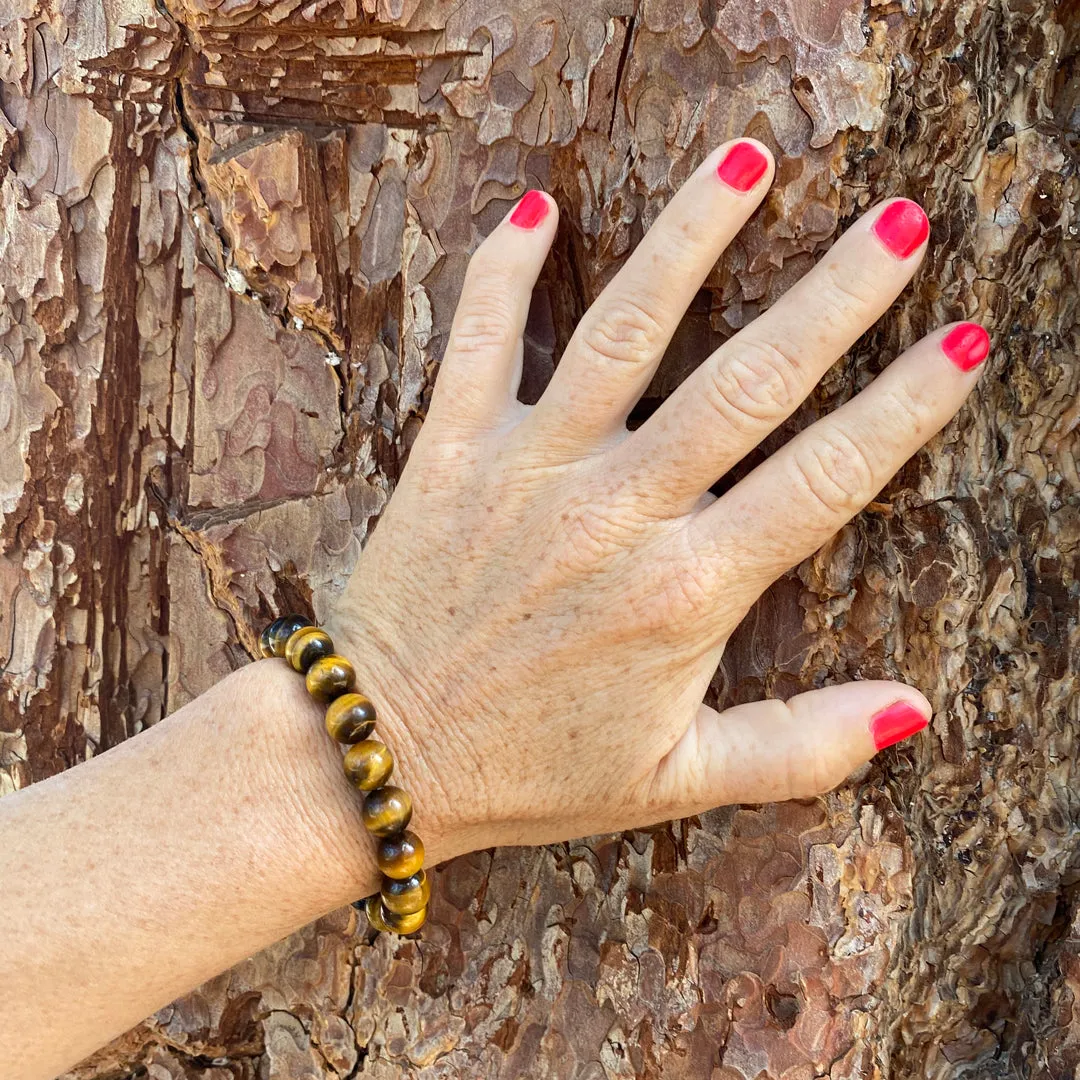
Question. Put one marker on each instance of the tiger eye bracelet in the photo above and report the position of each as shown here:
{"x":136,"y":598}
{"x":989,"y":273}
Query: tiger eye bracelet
{"x":400,"y":906}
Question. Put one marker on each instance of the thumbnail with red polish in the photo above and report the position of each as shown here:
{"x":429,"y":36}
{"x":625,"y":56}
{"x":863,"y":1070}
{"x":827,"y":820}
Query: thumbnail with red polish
{"x":903,"y":228}
{"x":743,"y":167}
{"x":896,"y":723}
{"x":532,"y":209}
{"x":967,"y":346}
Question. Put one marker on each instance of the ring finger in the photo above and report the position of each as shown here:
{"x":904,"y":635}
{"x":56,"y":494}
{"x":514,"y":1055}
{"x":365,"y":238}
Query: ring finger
{"x":753,"y":382}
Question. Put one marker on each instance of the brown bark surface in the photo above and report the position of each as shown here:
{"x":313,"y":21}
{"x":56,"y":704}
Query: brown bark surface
{"x":232,"y":236}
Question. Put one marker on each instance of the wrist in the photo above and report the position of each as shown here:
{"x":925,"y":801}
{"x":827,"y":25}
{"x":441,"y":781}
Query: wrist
{"x":300,"y":779}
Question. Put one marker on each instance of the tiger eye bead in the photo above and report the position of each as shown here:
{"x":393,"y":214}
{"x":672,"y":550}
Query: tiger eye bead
{"x":373,"y":909}
{"x":350,"y":718}
{"x":306,"y":646}
{"x":266,"y":638}
{"x":282,"y":629}
{"x":387,"y":811}
{"x":400,"y":856}
{"x":403,"y":924}
{"x":408,"y":896}
{"x":330,"y":677}
{"x":368,"y":765}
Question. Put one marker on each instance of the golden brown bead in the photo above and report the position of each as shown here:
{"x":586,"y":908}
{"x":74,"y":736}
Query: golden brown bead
{"x":350,"y":718}
{"x":282,"y":629}
{"x":266,"y":639}
{"x":407,"y":896}
{"x":403,"y":924}
{"x":330,"y":677}
{"x":387,"y":810}
{"x":400,"y":856}
{"x":373,"y":909}
{"x":368,"y":765}
{"x":306,"y":646}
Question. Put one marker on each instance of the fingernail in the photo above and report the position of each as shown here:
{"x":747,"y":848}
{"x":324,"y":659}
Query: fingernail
{"x":532,"y":209}
{"x":967,"y":346}
{"x":743,"y":166}
{"x":903,"y":228}
{"x":896,"y":723}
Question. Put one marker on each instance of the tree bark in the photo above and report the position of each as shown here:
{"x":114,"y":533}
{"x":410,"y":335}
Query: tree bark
{"x":233,"y":234}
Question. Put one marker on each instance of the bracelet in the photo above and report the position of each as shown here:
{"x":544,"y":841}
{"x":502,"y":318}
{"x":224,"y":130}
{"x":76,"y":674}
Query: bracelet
{"x":400,"y":905}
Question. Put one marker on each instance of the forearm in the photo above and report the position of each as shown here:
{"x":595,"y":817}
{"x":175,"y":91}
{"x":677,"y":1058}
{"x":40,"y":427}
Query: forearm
{"x":129,"y":880}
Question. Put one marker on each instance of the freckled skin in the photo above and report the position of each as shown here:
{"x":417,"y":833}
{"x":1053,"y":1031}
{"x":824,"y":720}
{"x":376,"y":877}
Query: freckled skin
{"x":543,"y":572}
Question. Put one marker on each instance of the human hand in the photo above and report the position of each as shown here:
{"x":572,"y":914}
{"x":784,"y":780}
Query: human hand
{"x":543,"y":604}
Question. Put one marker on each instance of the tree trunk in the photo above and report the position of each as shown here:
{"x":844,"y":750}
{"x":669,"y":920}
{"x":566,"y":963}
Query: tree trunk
{"x":233,"y":233}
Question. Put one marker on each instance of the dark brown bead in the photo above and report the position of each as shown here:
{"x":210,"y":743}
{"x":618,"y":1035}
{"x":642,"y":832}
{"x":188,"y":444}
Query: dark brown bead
{"x":407,"y":896}
{"x":350,"y":718}
{"x":368,"y":765}
{"x":330,"y":677}
{"x":403,"y":924}
{"x":400,"y":856}
{"x":373,"y":909}
{"x":266,"y":638}
{"x":387,"y":811}
{"x":306,"y":646}
{"x":283,"y":629}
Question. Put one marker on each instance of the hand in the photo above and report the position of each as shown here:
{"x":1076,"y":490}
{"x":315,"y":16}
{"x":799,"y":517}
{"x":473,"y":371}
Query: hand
{"x":541,"y":608}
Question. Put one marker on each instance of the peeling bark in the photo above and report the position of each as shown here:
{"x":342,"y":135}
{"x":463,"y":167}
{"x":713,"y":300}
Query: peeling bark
{"x":233,"y":233}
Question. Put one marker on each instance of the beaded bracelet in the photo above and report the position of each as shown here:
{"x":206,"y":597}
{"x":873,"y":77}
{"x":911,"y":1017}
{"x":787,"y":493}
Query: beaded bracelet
{"x":401,"y":903}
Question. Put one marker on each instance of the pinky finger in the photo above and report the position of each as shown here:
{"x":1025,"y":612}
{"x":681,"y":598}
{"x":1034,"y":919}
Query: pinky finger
{"x":806,"y":492}
{"x":478,"y":380}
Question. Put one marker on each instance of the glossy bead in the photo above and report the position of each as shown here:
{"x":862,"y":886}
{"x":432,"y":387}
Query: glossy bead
{"x":368,"y":765}
{"x":283,"y":629}
{"x":400,"y":856}
{"x":373,"y":909}
{"x":266,"y":638}
{"x":407,"y":896}
{"x":330,"y":677}
{"x":306,"y":646}
{"x":350,"y":718}
{"x":403,"y":924}
{"x":387,"y":811}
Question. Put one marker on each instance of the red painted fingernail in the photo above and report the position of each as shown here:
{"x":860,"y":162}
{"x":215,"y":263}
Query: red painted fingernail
{"x":743,"y":166}
{"x":532,"y":209}
{"x":903,"y":228}
{"x":896,"y":723}
{"x":967,"y":346}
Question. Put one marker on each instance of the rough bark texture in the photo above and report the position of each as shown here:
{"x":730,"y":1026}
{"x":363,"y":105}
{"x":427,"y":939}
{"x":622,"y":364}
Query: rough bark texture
{"x":232,"y":236}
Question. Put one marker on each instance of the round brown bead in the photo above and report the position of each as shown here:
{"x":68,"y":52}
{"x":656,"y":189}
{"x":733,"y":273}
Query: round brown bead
{"x":373,"y":909}
{"x":404,"y":924}
{"x":282,"y":629}
{"x":407,"y":896}
{"x":266,"y":639}
{"x":368,"y":765}
{"x":350,"y":718}
{"x":306,"y":646}
{"x":387,"y":810}
{"x":400,"y":856}
{"x":330,"y":677}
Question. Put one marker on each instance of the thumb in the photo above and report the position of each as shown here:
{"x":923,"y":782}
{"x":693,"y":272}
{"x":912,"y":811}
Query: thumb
{"x":769,"y":751}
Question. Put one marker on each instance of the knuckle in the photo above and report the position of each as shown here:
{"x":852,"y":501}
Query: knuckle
{"x":483,"y":325}
{"x":836,"y":471}
{"x":626,"y":333}
{"x":912,"y":413}
{"x":758,"y":382}
{"x":848,"y":296}
{"x":680,"y":594}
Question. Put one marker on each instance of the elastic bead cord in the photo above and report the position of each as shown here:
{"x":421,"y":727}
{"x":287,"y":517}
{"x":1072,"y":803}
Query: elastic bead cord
{"x":401,"y":904}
